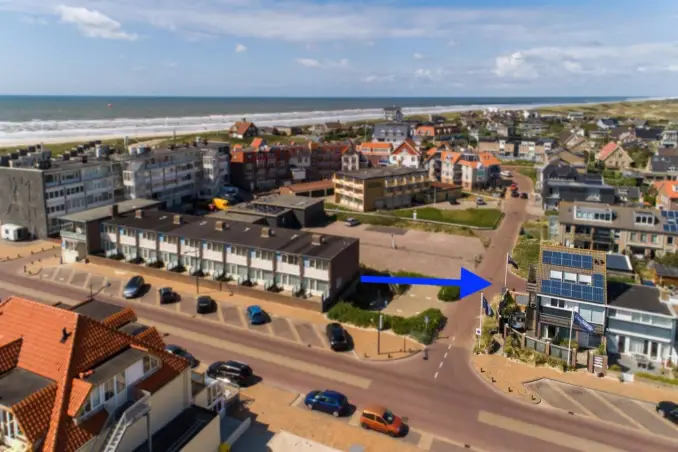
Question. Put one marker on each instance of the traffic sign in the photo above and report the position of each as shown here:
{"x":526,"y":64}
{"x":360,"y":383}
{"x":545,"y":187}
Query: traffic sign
{"x":478,"y":331}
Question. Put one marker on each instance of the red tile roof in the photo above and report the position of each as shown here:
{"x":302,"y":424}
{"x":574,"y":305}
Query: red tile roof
{"x":487,"y":159}
{"x":241,"y":127}
{"x":669,"y":189}
{"x":408,"y":147}
{"x":375,"y":146}
{"x":120,"y":318}
{"x":257,"y":142}
{"x":9,"y":355}
{"x":608,"y":150}
{"x":47,"y":352}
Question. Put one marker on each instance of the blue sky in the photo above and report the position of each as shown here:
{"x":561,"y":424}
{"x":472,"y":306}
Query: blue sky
{"x":339,"y":48}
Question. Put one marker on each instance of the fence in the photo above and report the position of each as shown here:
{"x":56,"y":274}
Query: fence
{"x":545,"y":347}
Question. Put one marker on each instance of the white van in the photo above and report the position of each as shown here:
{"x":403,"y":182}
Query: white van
{"x":14,"y":232}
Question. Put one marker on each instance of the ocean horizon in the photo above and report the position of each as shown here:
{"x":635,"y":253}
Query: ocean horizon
{"x":28,"y":118}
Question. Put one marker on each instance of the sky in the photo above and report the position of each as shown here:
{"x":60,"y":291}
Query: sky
{"x":339,"y":47}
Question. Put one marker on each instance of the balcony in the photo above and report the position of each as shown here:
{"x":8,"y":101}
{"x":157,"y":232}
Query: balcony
{"x":72,"y":232}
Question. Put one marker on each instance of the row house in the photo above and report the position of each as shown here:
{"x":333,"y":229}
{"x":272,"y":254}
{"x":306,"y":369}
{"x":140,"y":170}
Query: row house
{"x":627,"y":319}
{"x":532,"y":128}
{"x":258,"y":170}
{"x":394,"y":133}
{"x":632,"y":230}
{"x":319,"y":266}
{"x":663,"y":165}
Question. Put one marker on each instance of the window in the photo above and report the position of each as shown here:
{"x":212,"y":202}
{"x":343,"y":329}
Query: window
{"x":655,"y":238}
{"x":289,"y":259}
{"x":109,"y":390}
{"x":669,"y":240}
{"x":120,"y":382}
{"x":554,"y":274}
{"x":643,"y":237}
{"x":571,"y":277}
{"x":634,"y":237}
{"x":585,"y":279}
{"x":150,"y":363}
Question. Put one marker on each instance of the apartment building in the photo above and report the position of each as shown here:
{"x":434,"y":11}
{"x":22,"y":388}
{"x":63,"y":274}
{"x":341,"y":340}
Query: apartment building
{"x":634,"y":230}
{"x":570,"y":280}
{"x":394,"y":133}
{"x":89,"y":378}
{"x":471,"y":171}
{"x":178,"y":174}
{"x":559,"y":181}
{"x":257,"y":170}
{"x":393,"y":114}
{"x":319,"y":266}
{"x":379,"y":188}
{"x":407,"y":154}
{"x":663,"y":165}
{"x":38,"y":189}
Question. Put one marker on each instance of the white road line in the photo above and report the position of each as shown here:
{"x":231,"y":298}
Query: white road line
{"x":445,"y":357}
{"x":436,"y":375}
{"x":450,"y":346}
{"x":441,"y":365}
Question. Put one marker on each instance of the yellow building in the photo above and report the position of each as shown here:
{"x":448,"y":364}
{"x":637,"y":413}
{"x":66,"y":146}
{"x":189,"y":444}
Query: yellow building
{"x":371,"y":189}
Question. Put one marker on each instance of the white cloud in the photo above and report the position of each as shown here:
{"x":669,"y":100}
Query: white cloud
{"x":378,"y":78}
{"x":514,"y":65}
{"x":325,"y":64}
{"x":33,"y":20}
{"x":93,"y":23}
{"x":240,"y":48}
{"x":428,"y":74}
{"x":418,"y":56}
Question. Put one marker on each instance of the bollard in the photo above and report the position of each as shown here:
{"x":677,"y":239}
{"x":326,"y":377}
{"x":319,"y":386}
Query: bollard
{"x":493,"y":380}
{"x":482,"y":370}
{"x":389,"y":355}
{"x":425,"y":354}
{"x":24,"y":269}
{"x":510,"y":390}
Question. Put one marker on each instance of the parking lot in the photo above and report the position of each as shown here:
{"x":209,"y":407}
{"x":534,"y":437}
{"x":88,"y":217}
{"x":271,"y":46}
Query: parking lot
{"x":623,"y":411}
{"x":230,"y":314}
{"x":440,"y":255}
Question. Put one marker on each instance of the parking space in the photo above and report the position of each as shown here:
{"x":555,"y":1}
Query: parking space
{"x":150,"y":297}
{"x":309,"y":335}
{"x":443,"y":446}
{"x":281,"y":328}
{"x":624,"y":411}
{"x":48,"y":273}
{"x":113,"y":290}
{"x":412,"y":437}
{"x":63,"y":275}
{"x":231,"y":315}
{"x":78,"y":279}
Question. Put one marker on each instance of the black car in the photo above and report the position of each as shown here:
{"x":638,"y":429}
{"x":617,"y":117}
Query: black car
{"x":523,"y":195}
{"x":133,"y":287}
{"x":167,"y":295}
{"x":179,"y":351}
{"x":515,"y":194}
{"x":233,"y":371}
{"x":205,"y":305}
{"x":668,"y":410}
{"x":337,"y":337}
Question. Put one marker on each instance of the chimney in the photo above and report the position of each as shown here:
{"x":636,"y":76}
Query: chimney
{"x":138,"y":214}
{"x":266,"y":231}
{"x":113,"y":210}
{"x":317,"y":239}
{"x":177,"y":219}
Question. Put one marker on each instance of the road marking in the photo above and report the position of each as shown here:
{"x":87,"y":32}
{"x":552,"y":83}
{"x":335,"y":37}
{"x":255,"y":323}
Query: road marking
{"x":542,"y":433}
{"x":556,"y":387}
{"x":441,"y":365}
{"x":425,"y":442}
{"x":445,"y":356}
{"x":272,"y":358}
{"x":450,"y":346}
{"x":614,"y":408}
{"x":436,"y":375}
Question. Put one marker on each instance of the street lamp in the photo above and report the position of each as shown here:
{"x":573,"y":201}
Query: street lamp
{"x":197,"y":278}
{"x":381,"y":322}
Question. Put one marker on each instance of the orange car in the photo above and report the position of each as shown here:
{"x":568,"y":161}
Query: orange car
{"x":378,"y":418}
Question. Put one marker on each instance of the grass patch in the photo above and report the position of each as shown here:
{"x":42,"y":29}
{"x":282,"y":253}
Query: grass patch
{"x":657,"y":378}
{"x":414,"y":326}
{"x":485,"y":218}
{"x":526,"y":250}
{"x":396,"y":222}
{"x":333,"y":206}
{"x":520,"y":163}
{"x":529,"y":172}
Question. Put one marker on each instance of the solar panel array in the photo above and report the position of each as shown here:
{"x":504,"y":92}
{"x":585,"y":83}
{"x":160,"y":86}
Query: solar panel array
{"x":670,"y":214}
{"x":595,"y":293}
{"x":671,"y":228}
{"x":568,"y":260}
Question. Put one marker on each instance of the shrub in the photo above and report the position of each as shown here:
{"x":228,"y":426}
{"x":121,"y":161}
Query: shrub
{"x":402,"y":288}
{"x":448,"y":293}
{"x":615,"y":368}
{"x":540,"y":359}
{"x":601,"y":349}
{"x":657,"y":378}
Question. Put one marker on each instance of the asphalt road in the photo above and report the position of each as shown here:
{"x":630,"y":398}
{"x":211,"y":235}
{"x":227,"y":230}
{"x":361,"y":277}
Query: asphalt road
{"x":458,"y":405}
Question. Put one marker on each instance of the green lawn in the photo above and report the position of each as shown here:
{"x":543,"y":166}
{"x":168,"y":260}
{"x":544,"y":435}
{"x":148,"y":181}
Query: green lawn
{"x":395,"y":222}
{"x":486,"y":218}
{"x":529,"y":172}
{"x":526,"y":250}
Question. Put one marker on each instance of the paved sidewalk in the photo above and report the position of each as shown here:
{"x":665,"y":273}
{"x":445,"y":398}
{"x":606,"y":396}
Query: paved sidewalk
{"x":14,"y":250}
{"x":508,"y":373}
{"x":287,"y":322}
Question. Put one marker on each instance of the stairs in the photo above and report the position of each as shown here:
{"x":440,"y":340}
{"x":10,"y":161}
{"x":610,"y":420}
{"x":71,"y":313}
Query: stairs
{"x":132,"y":414}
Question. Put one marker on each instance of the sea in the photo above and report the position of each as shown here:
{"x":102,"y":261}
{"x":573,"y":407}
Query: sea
{"x":35,"y":119}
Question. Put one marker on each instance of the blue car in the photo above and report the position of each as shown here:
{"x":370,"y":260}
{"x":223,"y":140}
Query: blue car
{"x":256,"y":315}
{"x":330,"y":402}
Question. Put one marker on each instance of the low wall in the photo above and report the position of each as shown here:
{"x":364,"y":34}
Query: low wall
{"x":242,"y":428}
{"x":208,"y":283}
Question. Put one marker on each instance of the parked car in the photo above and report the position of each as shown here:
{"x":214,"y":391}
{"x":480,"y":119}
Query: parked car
{"x":204,"y":304}
{"x":506,"y":174}
{"x":233,"y":371}
{"x":517,"y":321}
{"x":167,"y":295}
{"x":180,"y":351}
{"x":327,"y":401}
{"x":350,"y":222}
{"x":524,"y":195}
{"x":133,"y":287}
{"x":668,"y":410}
{"x":256,"y":315}
{"x":515,"y":194}
{"x":480,"y":202}
{"x":378,"y":418}
{"x":337,"y":337}
{"x":514,"y":187}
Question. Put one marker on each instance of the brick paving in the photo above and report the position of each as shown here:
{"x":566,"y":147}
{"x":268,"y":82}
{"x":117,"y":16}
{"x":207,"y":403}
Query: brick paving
{"x":79,"y":278}
{"x":308,"y":334}
{"x":282,"y":328}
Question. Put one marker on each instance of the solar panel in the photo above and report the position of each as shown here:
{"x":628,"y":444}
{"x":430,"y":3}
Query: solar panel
{"x":665,"y":213}
{"x":571,"y":290}
{"x":567,"y":260}
{"x":598,"y":280}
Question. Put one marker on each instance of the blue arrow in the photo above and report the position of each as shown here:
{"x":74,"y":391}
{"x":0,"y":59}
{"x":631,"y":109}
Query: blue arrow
{"x":468,"y":283}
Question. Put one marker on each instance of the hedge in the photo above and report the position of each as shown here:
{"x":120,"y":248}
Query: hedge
{"x":657,"y":378}
{"x":448,"y":293}
{"x":414,"y":326}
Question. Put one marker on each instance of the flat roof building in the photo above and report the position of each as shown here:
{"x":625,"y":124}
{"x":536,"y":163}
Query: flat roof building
{"x":286,"y":211}
{"x":318,"y":266}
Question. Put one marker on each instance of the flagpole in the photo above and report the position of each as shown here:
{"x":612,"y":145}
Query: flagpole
{"x":569,"y":344}
{"x":506,"y":270}
{"x":480,"y":319}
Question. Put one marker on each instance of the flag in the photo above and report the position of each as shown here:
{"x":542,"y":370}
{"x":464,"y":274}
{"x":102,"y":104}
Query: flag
{"x":487,"y":308}
{"x":512,"y":262}
{"x":583,"y":324}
